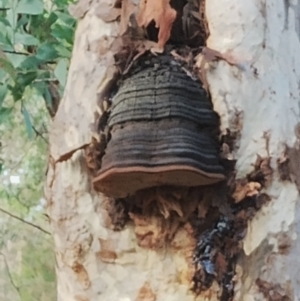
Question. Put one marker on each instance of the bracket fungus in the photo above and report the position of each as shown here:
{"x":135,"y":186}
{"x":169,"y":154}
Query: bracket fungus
{"x":162,"y":132}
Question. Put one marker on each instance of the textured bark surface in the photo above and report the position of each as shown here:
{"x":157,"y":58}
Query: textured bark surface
{"x":257,"y":98}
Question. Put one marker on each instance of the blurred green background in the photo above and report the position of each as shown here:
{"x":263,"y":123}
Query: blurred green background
{"x":35,"y":47}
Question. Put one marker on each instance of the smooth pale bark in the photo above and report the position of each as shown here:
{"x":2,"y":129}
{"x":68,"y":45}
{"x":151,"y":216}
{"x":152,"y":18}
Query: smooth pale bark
{"x":257,"y":98}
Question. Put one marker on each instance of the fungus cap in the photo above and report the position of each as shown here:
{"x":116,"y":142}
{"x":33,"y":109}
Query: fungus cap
{"x":162,"y":128}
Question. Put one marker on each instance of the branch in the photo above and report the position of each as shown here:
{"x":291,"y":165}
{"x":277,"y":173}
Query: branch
{"x":23,"y":221}
{"x":9,"y":274}
{"x":15,"y":52}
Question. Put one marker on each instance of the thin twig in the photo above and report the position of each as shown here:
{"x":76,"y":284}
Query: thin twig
{"x":22,"y":220}
{"x":9,"y":274}
{"x":38,"y":134}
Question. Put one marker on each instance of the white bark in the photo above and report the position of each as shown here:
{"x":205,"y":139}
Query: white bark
{"x":257,"y":98}
{"x":262,"y":37}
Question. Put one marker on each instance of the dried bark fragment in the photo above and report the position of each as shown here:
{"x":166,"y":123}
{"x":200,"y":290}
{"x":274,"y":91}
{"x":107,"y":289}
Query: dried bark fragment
{"x":283,"y":168}
{"x":158,"y":213}
{"x":194,"y":23}
{"x":274,"y":292}
{"x":161,"y":13}
{"x":209,"y":55}
{"x":294,"y":165}
{"x":245,"y":189}
{"x":262,"y":171}
{"x":117,"y":210}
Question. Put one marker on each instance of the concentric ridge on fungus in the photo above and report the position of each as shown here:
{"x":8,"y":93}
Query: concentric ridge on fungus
{"x":161,"y":126}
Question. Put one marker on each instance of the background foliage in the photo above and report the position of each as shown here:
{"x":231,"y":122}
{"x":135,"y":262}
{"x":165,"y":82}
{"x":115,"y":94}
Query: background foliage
{"x":35,"y":47}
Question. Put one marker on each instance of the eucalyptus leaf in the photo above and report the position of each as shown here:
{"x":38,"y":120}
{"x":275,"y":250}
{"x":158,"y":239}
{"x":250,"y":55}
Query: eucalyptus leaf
{"x":46,"y":52}
{"x":11,"y":17}
{"x":4,"y":21}
{"x":7,"y":66}
{"x":66,"y":18}
{"x":61,"y":71}
{"x":4,"y":114}
{"x":26,"y":78}
{"x":30,"y":7}
{"x":5,"y":42}
{"x":16,"y":58}
{"x":27,"y":122}
{"x":63,"y":32}
{"x":26,"y":39}
{"x":30,"y":63}
{"x":63,"y":51}
{"x":3,"y":92}
{"x":47,"y":97}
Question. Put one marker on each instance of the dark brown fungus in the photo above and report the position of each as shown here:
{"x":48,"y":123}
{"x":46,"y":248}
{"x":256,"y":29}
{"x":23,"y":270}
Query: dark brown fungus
{"x":162,"y":128}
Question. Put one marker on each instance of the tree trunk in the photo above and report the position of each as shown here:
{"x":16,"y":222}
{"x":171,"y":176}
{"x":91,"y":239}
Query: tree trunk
{"x":255,"y":89}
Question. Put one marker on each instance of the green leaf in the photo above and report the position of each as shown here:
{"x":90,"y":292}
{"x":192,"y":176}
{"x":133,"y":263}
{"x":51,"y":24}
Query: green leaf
{"x":26,"y":39}
{"x":5,"y":43}
{"x":44,"y":74}
{"x":48,"y":98}
{"x":16,"y":91}
{"x":7,"y":66}
{"x":27,"y":122}
{"x":46,"y":52}
{"x":61,"y":71}
{"x":63,"y":51}
{"x":23,"y":21}
{"x":23,"y":79}
{"x":66,"y":18}
{"x":11,"y":17}
{"x":4,"y":21}
{"x":3,"y":92}
{"x":30,"y":7}
{"x":4,"y":114}
{"x":16,"y":58}
{"x":63,"y":32}
{"x":39,"y":86}
{"x":31,"y":62}
{"x":5,"y":4}
{"x":26,"y":78}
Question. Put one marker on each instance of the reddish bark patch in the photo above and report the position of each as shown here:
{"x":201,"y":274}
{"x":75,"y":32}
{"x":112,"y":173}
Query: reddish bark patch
{"x":284,"y":243}
{"x":145,"y":293}
{"x":274,"y":292}
{"x":81,"y":275}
